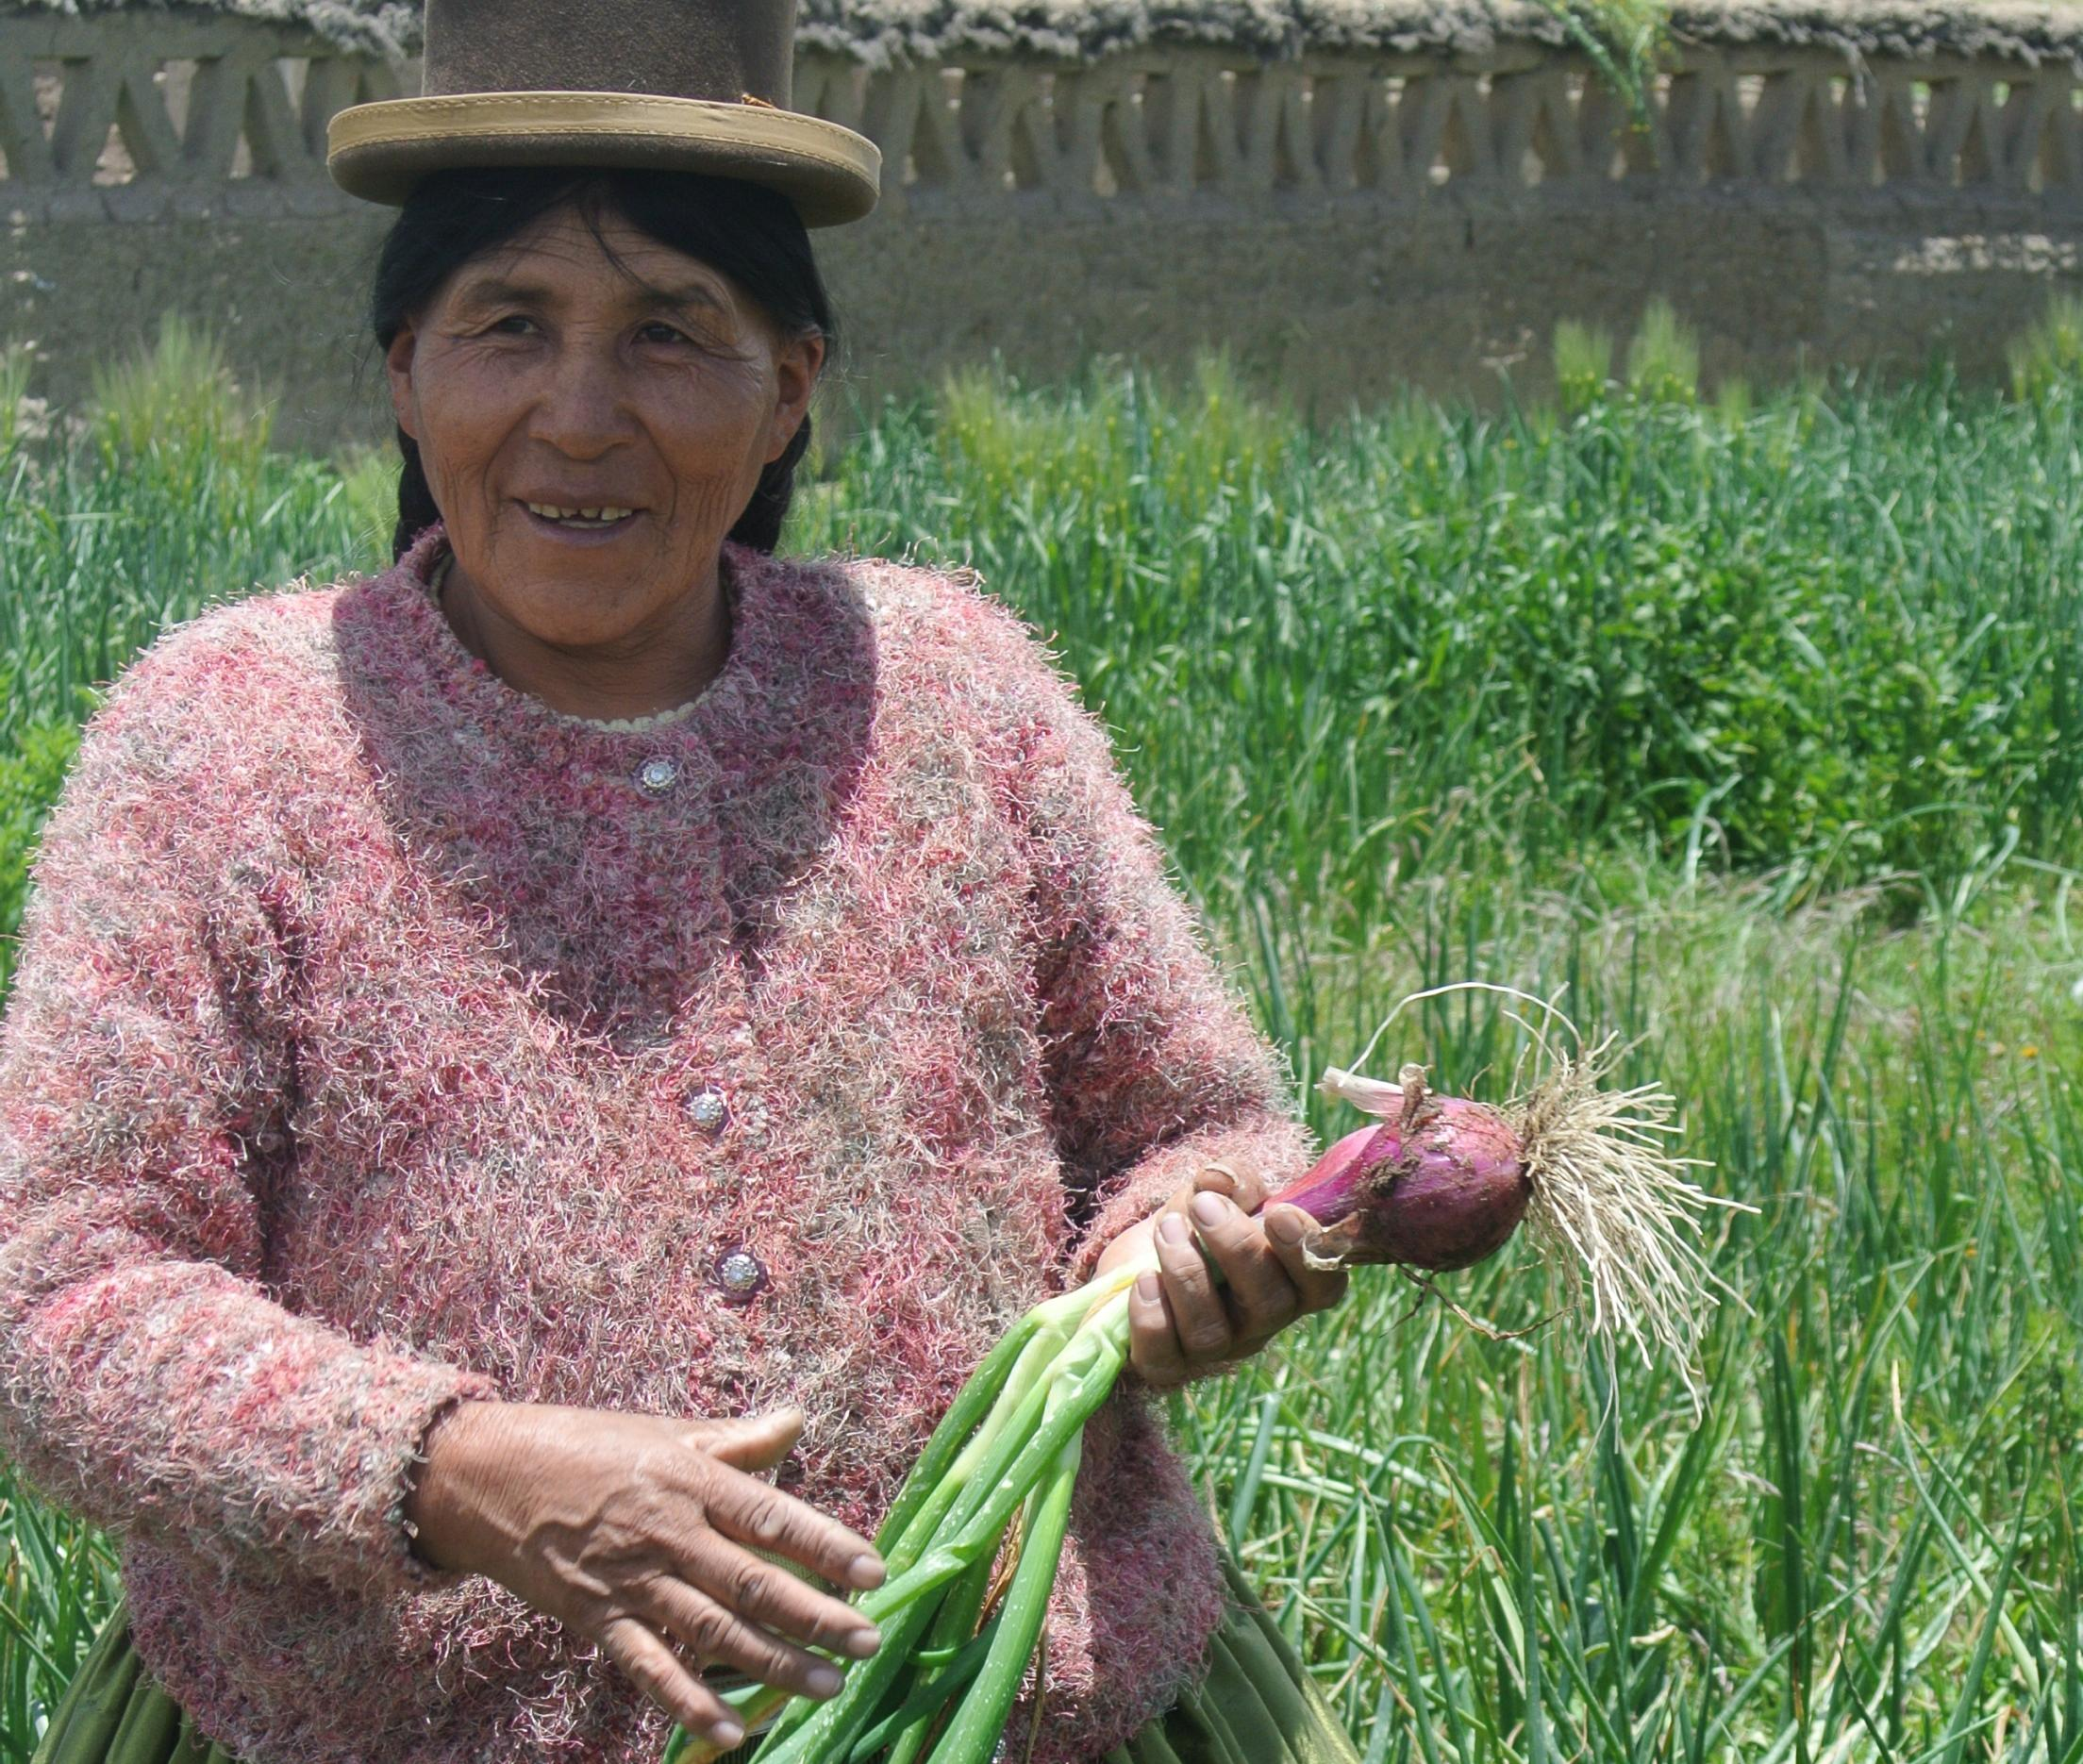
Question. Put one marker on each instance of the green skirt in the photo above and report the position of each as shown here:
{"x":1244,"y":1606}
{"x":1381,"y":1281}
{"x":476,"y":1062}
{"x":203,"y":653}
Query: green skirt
{"x":1257,"y":1706}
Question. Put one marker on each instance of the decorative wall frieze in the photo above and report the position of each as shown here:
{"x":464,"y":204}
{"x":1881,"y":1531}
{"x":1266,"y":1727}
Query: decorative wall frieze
{"x":137,"y":115}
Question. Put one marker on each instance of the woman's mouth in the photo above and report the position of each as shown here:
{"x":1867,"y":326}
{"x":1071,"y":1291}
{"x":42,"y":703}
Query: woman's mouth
{"x":554,"y":517}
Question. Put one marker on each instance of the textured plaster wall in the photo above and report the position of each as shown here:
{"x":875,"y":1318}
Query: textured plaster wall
{"x":1349,"y":221}
{"x":1328,"y":302}
{"x":886,"y":33}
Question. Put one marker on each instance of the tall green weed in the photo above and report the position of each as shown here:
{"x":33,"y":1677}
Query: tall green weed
{"x":1583,"y":363}
{"x":1663,"y":357}
{"x":17,"y":358}
{"x":2047,"y":359}
{"x":177,"y":408}
{"x":157,"y":500}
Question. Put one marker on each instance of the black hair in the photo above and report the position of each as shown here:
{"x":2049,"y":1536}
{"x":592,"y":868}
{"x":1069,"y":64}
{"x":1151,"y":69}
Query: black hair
{"x":745,"y":230}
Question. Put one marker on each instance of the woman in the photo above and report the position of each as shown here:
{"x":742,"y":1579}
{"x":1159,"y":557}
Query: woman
{"x":508,"y":1051}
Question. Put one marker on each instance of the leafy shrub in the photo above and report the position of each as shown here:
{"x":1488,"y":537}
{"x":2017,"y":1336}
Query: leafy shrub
{"x":30,"y":775}
{"x":1626,"y":41}
{"x":1838,"y":638}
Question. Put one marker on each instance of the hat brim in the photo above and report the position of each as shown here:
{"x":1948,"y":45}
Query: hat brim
{"x":379,"y":151}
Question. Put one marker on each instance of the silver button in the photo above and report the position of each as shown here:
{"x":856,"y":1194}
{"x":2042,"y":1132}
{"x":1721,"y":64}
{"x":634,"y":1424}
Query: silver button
{"x":708,"y":1109}
{"x":740,"y":1273}
{"x":656,"y":776}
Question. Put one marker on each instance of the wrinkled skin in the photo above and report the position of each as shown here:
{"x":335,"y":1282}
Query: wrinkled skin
{"x":543,"y":372}
{"x":1182,"y":1324}
{"x":633,"y":1530}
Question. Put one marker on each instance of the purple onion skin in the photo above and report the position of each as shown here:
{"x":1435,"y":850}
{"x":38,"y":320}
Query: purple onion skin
{"x":1441,"y":1193}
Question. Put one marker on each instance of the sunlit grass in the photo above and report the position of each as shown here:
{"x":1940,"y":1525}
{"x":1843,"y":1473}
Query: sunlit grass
{"x":1750,"y":729}
{"x":1838,"y":635}
{"x":1890,"y":1421}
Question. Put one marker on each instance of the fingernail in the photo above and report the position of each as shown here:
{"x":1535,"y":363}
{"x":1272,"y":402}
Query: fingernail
{"x":865,"y":1570}
{"x":726,"y":1734}
{"x":1207,"y":1208}
{"x":1174,"y":1229}
{"x":862,"y":1643}
{"x":1285,"y":1223}
{"x":823,"y":1681}
{"x":1147,"y":1289}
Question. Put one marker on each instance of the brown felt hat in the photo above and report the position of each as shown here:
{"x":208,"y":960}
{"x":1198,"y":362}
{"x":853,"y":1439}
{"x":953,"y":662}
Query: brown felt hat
{"x":692,"y":85}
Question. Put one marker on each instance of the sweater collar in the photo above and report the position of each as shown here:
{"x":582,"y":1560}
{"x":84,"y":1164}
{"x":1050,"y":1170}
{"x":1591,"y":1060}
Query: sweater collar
{"x":651,"y":720}
{"x":619,"y":863}
{"x":731,"y":700}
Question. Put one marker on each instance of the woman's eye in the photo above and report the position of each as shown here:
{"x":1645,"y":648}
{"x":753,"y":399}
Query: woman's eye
{"x":664,"y":333}
{"x":511,"y":319}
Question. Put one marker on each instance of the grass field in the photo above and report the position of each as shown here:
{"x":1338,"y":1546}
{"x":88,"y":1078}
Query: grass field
{"x":1753,"y":732}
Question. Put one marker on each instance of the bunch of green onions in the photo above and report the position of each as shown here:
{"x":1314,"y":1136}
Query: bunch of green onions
{"x":1437,"y":1183}
{"x":1007,"y":1449}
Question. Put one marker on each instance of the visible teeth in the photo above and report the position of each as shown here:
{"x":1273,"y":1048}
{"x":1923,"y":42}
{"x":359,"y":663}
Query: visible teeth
{"x":603,"y":517}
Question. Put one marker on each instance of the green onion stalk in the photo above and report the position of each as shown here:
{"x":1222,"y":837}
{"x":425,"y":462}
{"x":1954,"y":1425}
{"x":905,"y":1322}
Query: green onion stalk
{"x":1436,"y":1183}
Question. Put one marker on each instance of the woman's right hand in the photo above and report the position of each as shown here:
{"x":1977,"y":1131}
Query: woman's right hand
{"x":632,"y":1530}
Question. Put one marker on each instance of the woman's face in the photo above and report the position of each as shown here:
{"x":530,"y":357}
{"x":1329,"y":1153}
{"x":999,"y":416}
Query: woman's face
{"x":652,"y":394}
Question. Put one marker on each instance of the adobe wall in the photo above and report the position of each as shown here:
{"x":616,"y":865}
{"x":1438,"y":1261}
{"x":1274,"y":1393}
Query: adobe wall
{"x":1349,"y":221}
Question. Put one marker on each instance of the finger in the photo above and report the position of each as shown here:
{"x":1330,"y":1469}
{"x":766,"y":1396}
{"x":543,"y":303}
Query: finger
{"x":752,"y":1441}
{"x":1177,"y":1201}
{"x":1153,"y":1343}
{"x":650,"y":1665}
{"x":1238,"y":1178}
{"x":765,"y":1594}
{"x":745,"y":1508}
{"x":717,"y":1634}
{"x":1287,"y":1229}
{"x":1197,"y":1311}
{"x":1263,"y":1297}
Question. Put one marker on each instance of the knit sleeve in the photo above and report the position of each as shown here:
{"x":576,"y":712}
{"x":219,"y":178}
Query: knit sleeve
{"x":148,"y":1381}
{"x":1153,"y":1066}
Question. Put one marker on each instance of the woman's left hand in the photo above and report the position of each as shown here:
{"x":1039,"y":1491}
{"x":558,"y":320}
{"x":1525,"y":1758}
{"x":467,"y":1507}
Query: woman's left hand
{"x":1181,"y":1323}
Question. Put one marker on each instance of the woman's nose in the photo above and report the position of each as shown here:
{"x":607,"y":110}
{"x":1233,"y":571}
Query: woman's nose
{"x":582,"y":409}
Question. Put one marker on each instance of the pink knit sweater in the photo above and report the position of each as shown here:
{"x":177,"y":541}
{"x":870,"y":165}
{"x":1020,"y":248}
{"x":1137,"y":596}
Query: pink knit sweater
{"x":366,"y":1051}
